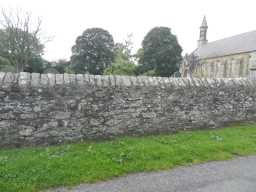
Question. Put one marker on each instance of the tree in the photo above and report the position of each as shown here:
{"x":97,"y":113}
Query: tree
{"x":161,"y":52}
{"x":35,"y":65}
{"x":20,"y":39}
{"x":139,"y":54}
{"x":59,"y":66}
{"x":5,"y":65}
{"x":123,"y":63}
{"x":93,"y":51}
{"x":121,"y":69}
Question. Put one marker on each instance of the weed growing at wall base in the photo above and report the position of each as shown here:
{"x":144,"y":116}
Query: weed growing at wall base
{"x":34,"y":169}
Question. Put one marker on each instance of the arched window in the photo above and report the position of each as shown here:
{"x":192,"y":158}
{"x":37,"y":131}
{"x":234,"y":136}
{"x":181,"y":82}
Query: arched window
{"x":241,"y":67}
{"x":225,"y":63}
{"x":212,"y":69}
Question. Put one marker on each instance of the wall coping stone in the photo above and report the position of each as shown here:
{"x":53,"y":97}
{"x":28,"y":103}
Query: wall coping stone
{"x":24,"y":79}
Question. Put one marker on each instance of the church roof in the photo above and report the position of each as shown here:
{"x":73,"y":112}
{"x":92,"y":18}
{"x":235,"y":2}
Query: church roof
{"x":245,"y":42}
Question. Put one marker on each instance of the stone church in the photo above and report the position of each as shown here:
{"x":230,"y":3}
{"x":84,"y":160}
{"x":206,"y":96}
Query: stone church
{"x":231,"y":57}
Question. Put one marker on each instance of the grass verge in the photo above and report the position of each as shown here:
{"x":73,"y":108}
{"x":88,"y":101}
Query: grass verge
{"x":34,"y":169}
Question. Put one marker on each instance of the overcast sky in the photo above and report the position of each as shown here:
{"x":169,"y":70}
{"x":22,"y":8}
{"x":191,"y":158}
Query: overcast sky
{"x":66,"y":19}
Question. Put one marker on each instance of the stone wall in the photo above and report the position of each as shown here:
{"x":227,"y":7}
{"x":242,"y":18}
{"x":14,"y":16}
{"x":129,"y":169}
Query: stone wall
{"x":231,"y":66}
{"x":48,"y":109}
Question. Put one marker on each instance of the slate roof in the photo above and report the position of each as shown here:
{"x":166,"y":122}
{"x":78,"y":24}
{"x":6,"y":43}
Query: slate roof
{"x":245,"y":42}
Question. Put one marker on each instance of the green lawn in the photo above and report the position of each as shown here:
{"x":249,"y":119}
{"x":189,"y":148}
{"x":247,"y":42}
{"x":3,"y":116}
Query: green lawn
{"x":32,"y":169}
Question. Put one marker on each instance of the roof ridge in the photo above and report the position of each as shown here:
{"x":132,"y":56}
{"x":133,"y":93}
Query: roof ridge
{"x":230,"y":37}
{"x":241,"y":43}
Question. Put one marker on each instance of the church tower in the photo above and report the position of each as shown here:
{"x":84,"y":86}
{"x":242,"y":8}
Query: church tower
{"x":203,"y":33}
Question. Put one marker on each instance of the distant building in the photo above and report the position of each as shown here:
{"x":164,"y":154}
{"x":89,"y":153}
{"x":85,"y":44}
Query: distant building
{"x":230,"y":57}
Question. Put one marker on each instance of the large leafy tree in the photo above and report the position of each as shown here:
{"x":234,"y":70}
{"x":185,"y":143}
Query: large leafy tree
{"x":161,"y":52}
{"x":93,"y":51}
{"x":20,"y":41}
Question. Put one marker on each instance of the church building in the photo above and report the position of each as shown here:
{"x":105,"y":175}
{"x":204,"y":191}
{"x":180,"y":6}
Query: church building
{"x":231,"y":57}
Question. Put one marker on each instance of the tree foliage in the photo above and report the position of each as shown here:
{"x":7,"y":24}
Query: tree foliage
{"x":35,"y":64}
{"x":4,"y":61}
{"x":123,"y":63}
{"x":161,"y":52}
{"x":58,"y":67}
{"x":5,"y":65}
{"x":20,"y":41}
{"x":93,"y":51}
{"x":121,"y":69}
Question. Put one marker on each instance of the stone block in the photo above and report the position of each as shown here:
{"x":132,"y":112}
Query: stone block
{"x":44,"y":80}
{"x":112,"y":80}
{"x":154,"y":81}
{"x":67,"y":78}
{"x":59,"y":78}
{"x":126,"y":81}
{"x":98,"y":80}
{"x":35,"y":79}
{"x":133,"y":80}
{"x":10,"y":78}
{"x":25,"y":130}
{"x":80,"y":79}
{"x":144,"y":80}
{"x":51,"y":78}
{"x":62,"y":115}
{"x":119,"y":80}
{"x":87,"y":78}
{"x":27,"y":116}
{"x":72,"y":78}
{"x":2,"y":74}
{"x":91,"y":79}
{"x":24,"y":79}
{"x":150,"y":81}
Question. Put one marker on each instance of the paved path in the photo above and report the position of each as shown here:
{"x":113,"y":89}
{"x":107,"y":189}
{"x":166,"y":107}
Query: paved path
{"x":238,"y":175}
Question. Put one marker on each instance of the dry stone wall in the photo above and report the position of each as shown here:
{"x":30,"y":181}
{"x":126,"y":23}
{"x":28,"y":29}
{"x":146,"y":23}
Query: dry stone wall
{"x":39,"y":109}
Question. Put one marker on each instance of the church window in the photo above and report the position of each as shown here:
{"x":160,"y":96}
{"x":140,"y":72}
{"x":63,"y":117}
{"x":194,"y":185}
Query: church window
{"x":230,"y":68}
{"x":212,"y":69}
{"x":247,"y":65}
{"x":225,"y":68}
{"x":241,"y":67}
